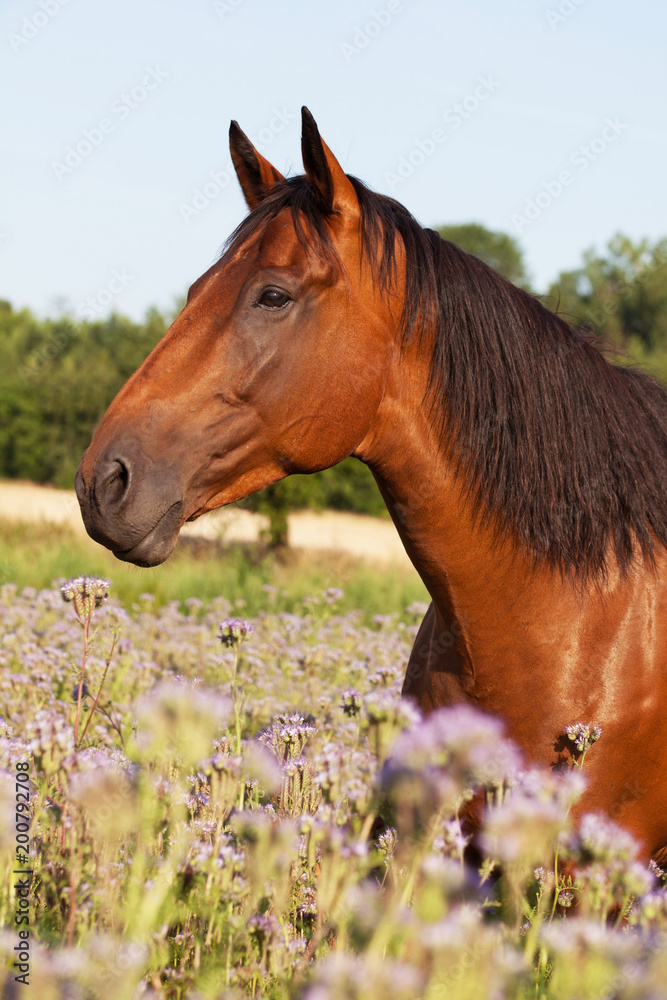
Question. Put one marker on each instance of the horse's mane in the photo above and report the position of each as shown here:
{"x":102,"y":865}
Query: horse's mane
{"x":566,"y":450}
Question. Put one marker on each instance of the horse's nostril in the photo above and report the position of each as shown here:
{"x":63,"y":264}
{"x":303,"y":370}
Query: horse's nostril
{"x":114,"y":484}
{"x":122,"y":474}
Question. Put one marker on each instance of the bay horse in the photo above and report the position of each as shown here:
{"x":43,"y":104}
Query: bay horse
{"x":526,"y":474}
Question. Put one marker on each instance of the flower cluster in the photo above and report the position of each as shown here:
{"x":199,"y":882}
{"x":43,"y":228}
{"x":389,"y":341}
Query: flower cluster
{"x":287,"y":736}
{"x":351,"y":701}
{"x":600,"y":839}
{"x":86,"y":593}
{"x":233,"y":631}
{"x":322,"y":856}
{"x":387,"y":843}
{"x":346,"y":777}
{"x":583,"y":735}
{"x":469,"y":744}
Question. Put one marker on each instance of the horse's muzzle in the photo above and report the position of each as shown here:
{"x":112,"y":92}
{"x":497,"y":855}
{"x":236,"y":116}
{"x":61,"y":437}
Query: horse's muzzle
{"x":131,"y":505}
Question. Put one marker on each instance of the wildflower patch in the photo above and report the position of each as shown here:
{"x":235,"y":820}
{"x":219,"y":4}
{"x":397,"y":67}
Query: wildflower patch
{"x":195,"y":798}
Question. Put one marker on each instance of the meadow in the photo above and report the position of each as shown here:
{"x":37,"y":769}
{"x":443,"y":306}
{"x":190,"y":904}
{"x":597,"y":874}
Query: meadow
{"x":34,"y":554}
{"x":221,"y":794}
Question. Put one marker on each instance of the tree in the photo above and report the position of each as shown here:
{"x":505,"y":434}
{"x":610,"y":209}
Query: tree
{"x":620,"y":295}
{"x":499,"y":250}
{"x":275,"y":502}
{"x":347,"y":486}
{"x":57,"y":377}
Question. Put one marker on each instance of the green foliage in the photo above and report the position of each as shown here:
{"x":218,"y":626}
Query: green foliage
{"x":499,"y":250}
{"x":621,"y":295}
{"x":57,"y":378}
{"x":276,"y":502}
{"x":348,"y":486}
{"x":36,"y":554}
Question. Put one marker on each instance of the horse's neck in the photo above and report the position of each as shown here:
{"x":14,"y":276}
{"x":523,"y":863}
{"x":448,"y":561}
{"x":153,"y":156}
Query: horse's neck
{"x":481,"y":584}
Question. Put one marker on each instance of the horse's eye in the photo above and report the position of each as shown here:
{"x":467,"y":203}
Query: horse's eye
{"x":273,"y":298}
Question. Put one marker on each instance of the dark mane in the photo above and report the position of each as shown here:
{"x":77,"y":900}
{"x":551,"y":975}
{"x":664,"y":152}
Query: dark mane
{"x":565,"y":449}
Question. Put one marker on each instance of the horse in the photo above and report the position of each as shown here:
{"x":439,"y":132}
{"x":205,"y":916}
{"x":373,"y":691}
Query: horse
{"x":525,"y":472}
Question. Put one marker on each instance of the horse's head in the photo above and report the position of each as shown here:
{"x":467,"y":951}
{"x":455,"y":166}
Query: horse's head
{"x":276,"y":364}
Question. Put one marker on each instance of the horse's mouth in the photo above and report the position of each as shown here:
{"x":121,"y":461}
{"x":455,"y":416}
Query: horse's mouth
{"x":158,"y":544}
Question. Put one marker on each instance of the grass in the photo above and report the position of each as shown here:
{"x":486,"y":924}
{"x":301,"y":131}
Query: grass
{"x":36,"y":554}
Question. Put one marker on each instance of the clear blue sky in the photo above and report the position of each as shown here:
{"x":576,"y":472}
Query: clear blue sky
{"x":532,"y":85}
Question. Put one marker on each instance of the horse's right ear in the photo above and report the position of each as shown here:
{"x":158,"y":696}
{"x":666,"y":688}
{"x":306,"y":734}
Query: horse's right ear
{"x":255,"y":174}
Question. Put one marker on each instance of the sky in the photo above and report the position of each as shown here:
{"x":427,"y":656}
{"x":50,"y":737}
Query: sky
{"x":543,"y":119}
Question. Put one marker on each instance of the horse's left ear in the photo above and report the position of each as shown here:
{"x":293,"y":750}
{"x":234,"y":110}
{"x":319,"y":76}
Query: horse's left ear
{"x":255,"y":173}
{"x":333,"y":189}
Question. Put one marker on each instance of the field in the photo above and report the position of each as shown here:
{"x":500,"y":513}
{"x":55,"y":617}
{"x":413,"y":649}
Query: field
{"x":217,"y":792}
{"x":36,"y":553}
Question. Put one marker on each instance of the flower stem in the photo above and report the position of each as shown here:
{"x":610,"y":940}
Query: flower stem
{"x":86,"y":633}
{"x":104,"y":677}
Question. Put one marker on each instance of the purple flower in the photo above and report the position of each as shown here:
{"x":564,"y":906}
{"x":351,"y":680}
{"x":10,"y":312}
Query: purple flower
{"x":583,"y":735}
{"x":347,"y":975}
{"x":388,"y":842}
{"x":86,"y":592}
{"x":351,"y":701}
{"x":417,"y":608}
{"x":656,"y":869}
{"x":234,"y":630}
{"x":384,"y":621}
{"x":287,"y":736}
{"x":438,"y":761}
{"x":470,"y":744}
{"x":603,"y":840}
{"x":523,"y":828}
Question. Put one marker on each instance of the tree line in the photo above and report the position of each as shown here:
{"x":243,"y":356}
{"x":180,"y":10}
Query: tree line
{"x":57,"y":376}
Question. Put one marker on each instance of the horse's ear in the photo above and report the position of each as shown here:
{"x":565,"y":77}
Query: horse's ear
{"x":333,"y":189}
{"x":255,"y":174}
